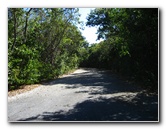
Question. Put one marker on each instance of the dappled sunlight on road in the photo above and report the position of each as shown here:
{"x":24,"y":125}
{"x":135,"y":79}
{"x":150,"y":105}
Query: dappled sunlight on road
{"x":86,"y":95}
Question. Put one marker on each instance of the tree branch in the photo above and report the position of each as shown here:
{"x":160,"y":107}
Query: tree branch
{"x":14,"y":42}
{"x":26,"y":24}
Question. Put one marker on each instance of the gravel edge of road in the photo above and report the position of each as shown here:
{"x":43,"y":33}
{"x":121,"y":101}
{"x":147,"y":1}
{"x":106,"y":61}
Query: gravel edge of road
{"x":26,"y":88}
{"x":23,"y":89}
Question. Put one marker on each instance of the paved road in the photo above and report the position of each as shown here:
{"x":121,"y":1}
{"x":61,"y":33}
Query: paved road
{"x":85,"y":95}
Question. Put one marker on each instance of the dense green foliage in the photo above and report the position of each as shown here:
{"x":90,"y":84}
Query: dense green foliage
{"x":130,"y":45}
{"x":43,"y":43}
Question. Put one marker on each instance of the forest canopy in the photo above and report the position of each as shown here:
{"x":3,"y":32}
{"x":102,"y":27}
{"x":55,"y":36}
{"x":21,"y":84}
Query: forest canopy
{"x":44,"y":43}
{"x":130,"y":45}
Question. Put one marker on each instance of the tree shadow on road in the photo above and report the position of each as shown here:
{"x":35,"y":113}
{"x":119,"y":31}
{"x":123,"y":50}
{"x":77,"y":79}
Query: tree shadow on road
{"x":96,"y":78}
{"x":119,"y":106}
{"x":103,"y":109}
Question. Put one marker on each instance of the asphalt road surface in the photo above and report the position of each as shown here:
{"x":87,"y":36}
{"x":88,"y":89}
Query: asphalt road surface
{"x":85,"y":95}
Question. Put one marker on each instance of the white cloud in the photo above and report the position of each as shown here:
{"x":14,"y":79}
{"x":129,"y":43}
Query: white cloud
{"x":89,"y":32}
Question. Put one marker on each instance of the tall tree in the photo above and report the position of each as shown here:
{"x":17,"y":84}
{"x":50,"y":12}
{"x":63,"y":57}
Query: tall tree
{"x":43,"y":43}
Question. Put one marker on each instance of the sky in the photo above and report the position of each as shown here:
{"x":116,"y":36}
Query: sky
{"x":89,"y":32}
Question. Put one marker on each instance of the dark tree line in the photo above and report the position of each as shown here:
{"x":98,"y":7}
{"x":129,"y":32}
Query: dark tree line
{"x":130,"y":45}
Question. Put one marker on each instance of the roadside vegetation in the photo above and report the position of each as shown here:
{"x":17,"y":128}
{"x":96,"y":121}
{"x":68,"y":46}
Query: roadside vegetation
{"x":44,"y":43}
{"x":130,"y":46}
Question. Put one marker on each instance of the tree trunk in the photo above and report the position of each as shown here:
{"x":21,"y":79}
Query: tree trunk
{"x":26,"y":24}
{"x":15,"y":35}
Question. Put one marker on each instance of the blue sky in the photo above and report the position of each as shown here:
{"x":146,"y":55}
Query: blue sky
{"x":89,"y":32}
